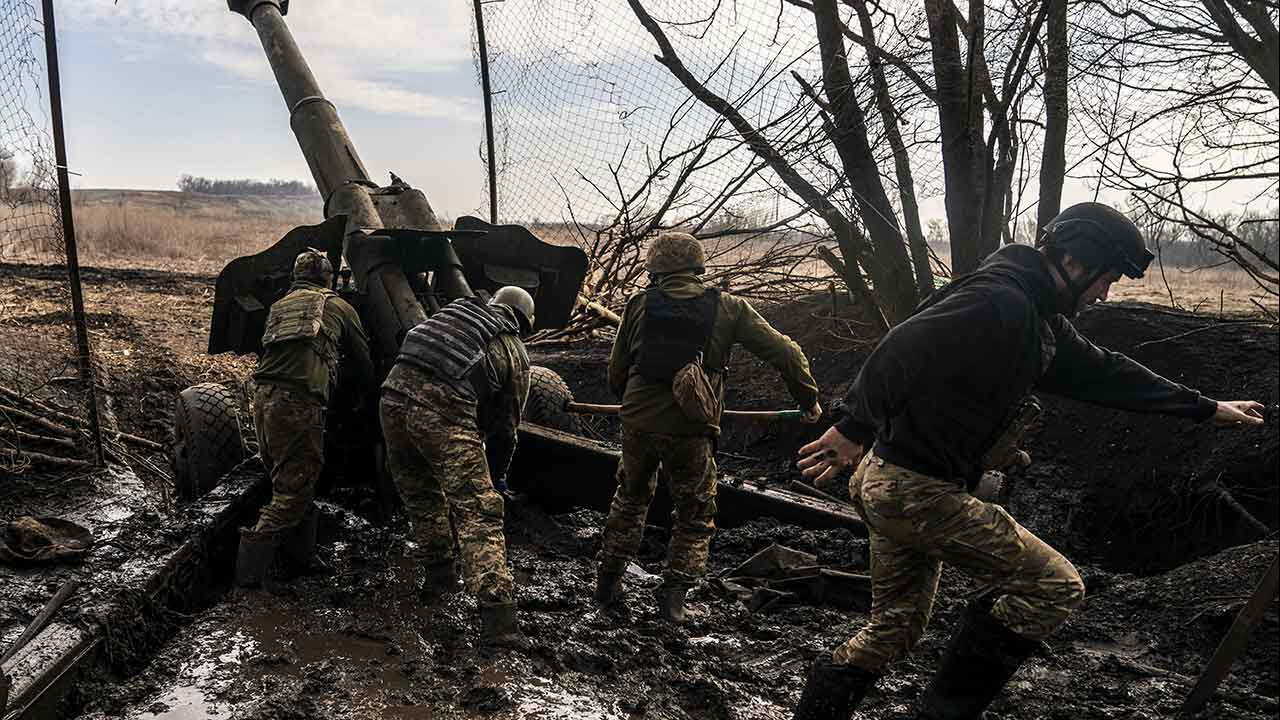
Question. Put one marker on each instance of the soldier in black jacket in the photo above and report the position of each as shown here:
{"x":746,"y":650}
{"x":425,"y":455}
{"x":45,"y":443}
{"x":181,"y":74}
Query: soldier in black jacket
{"x":929,"y":403}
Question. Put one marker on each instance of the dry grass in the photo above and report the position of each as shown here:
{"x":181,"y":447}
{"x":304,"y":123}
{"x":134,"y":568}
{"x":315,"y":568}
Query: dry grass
{"x":172,"y":230}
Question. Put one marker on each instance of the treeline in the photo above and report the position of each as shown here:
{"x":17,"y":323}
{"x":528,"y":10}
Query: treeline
{"x":244,"y":186}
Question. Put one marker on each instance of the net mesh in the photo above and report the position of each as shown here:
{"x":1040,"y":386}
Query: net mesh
{"x":41,"y":391}
{"x":599,"y":144}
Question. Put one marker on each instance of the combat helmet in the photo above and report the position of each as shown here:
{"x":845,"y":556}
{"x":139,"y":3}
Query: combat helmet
{"x":675,"y":251}
{"x":311,"y":265}
{"x":1101,"y":239}
{"x":519,"y":300}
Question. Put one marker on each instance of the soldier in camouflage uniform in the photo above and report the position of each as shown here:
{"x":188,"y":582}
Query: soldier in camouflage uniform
{"x":662,"y":329}
{"x":450,"y":409}
{"x":308,"y":330}
{"x":933,"y":397}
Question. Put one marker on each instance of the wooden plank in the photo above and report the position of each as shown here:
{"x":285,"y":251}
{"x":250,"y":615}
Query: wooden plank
{"x":1235,"y":640}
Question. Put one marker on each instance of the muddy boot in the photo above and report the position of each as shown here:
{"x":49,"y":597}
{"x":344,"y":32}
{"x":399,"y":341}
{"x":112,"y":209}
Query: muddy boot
{"x":438,"y":580}
{"x":671,"y":604}
{"x":299,"y":548}
{"x":255,"y":558}
{"x":981,"y":657}
{"x":832,"y":692}
{"x":499,"y":628}
{"x":608,"y":588}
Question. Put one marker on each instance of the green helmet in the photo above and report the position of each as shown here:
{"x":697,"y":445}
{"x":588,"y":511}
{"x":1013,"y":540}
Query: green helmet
{"x":519,"y":300}
{"x":675,"y":251}
{"x":1100,"y":238}
{"x":311,"y":265}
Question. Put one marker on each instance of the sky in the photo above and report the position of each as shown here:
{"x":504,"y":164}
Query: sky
{"x":154,"y":89}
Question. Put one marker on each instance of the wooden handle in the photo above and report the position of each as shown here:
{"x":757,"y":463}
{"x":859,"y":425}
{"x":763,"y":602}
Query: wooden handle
{"x":596,"y":409}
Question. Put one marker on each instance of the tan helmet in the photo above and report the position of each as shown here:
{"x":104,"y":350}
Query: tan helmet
{"x":675,"y":251}
{"x":311,"y":265}
{"x":519,"y":300}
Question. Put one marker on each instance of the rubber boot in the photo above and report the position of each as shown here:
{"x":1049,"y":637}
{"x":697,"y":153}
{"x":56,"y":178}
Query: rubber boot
{"x":980,"y":659}
{"x":608,"y":588}
{"x":671,"y":604}
{"x":438,"y":580}
{"x":255,"y":558}
{"x":500,"y":629}
{"x":299,"y":547}
{"x":832,"y":692}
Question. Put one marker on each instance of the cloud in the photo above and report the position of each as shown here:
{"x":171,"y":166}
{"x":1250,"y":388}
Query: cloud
{"x":378,"y":55}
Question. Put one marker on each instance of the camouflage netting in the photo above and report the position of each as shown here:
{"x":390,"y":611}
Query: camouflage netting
{"x":39,"y":378}
{"x":597,"y":143}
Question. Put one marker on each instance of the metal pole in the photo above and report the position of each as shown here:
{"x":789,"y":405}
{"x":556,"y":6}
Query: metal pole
{"x":69,"y":232}
{"x":488,"y":113}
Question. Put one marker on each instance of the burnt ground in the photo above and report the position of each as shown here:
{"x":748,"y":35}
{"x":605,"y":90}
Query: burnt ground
{"x":1133,"y":500}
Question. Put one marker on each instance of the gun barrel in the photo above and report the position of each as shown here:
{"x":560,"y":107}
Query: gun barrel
{"x":324,"y":141}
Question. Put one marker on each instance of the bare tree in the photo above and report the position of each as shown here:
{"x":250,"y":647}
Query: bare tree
{"x":1193,"y":113}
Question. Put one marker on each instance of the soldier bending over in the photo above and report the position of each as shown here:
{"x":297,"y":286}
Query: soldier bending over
{"x":306,"y":329}
{"x":928,"y":404}
{"x":450,"y":408}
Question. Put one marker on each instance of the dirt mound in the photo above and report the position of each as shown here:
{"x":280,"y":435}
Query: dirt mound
{"x":1152,"y":491}
{"x":1128,"y":491}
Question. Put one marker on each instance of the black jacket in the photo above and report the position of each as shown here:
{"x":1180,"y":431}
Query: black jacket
{"x":940,"y":387}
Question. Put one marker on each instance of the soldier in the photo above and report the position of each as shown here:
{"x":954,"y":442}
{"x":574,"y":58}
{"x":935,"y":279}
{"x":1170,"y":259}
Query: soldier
{"x":675,"y":321}
{"x":450,"y":408}
{"x":932,"y":397}
{"x":307,"y":331}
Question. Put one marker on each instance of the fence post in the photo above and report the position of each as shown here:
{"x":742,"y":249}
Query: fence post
{"x":488,"y":113}
{"x":83,"y":350}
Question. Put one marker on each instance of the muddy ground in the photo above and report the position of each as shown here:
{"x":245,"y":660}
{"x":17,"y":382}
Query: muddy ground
{"x":1133,"y":500}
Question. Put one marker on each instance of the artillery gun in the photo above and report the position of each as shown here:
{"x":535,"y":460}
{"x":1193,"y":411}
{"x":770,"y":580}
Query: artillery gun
{"x":395,"y":262}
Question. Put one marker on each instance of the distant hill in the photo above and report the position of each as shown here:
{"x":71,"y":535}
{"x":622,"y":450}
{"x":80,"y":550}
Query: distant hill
{"x":301,"y":209}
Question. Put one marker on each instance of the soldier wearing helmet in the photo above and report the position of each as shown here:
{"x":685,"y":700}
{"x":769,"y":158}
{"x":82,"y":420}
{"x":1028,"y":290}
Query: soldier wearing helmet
{"x":675,"y":321}
{"x":450,"y":408}
{"x":928,"y":405}
{"x":309,"y":332}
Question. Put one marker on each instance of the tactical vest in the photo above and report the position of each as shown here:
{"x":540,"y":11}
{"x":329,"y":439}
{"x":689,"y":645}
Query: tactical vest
{"x":299,"y":316}
{"x":675,"y":331}
{"x":451,"y":344}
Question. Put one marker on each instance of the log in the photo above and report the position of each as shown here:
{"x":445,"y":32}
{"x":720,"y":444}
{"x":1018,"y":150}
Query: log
{"x":31,"y":437}
{"x":37,"y":420}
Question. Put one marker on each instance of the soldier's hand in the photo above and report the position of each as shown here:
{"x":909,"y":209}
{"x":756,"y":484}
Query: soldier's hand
{"x":825,"y":458}
{"x":1238,"y":412}
{"x":812,"y":415}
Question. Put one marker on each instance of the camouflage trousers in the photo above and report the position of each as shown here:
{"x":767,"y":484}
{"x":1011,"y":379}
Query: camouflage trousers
{"x":919,"y":522}
{"x":439,"y":467}
{"x":687,"y":465}
{"x":290,"y":428}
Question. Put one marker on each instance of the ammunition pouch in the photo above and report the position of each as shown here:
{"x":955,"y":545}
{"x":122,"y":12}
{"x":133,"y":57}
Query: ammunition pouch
{"x":1005,"y":452}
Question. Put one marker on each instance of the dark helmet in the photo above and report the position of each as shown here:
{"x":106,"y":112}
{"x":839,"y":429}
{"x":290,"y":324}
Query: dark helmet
{"x":1100,"y":238}
{"x":311,"y":265}
{"x":675,"y":251}
{"x":519,"y":300}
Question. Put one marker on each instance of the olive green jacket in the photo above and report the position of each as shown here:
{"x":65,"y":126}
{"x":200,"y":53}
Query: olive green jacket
{"x":296,"y":364}
{"x":648,"y":406}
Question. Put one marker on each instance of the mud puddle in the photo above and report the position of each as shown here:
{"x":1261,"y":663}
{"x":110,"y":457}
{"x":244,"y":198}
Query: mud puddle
{"x":359,"y":645}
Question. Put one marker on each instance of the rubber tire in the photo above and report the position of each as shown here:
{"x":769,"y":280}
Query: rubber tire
{"x":206,"y":438}
{"x":548,"y":398}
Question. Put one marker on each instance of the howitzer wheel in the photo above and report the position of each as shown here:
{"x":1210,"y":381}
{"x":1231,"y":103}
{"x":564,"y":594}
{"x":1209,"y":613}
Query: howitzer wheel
{"x":548,"y":398}
{"x":206,"y":438}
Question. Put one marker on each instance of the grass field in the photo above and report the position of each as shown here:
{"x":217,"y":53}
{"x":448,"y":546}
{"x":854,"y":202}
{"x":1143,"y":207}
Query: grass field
{"x":201,"y":233}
